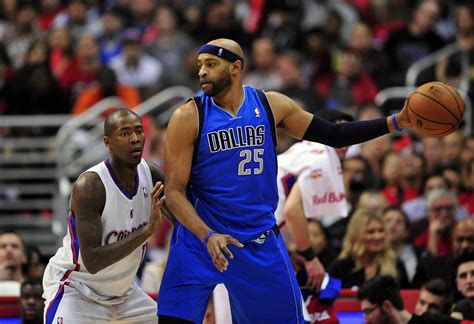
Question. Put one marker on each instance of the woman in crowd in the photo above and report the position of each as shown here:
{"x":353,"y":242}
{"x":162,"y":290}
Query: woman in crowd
{"x":366,"y":252}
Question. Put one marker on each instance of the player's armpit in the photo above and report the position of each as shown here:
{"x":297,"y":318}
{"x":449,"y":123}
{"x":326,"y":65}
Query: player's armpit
{"x":288,"y":114}
{"x":87,"y":203}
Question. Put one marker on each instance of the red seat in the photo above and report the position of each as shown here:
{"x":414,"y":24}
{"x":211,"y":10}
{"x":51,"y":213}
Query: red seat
{"x":9,"y":306}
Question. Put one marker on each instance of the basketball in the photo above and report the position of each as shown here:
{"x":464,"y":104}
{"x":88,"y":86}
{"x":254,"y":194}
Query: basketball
{"x":436,"y":109}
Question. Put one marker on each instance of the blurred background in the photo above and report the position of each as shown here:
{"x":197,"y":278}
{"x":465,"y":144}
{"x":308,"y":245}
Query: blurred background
{"x":65,"y":64}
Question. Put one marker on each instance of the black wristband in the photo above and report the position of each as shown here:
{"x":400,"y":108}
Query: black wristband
{"x":307,"y":254}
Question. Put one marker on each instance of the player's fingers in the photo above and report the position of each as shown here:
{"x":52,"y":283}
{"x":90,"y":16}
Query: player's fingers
{"x":231,"y":240}
{"x":221,"y":257}
{"x":226,"y":250}
{"x":220,"y":262}
{"x":160,"y":202}
{"x":157,"y":192}
{"x":156,"y":187}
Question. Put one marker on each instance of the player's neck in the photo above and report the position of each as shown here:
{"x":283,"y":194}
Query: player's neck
{"x":231,"y":100}
{"x":125,"y":173}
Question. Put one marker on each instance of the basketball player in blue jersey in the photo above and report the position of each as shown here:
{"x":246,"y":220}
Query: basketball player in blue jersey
{"x":115,"y":207}
{"x":221,"y":186}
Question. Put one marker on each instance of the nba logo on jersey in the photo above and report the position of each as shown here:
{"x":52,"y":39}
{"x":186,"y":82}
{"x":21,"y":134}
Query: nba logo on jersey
{"x":257,"y":113}
{"x":145,"y":192}
{"x":60,"y":320}
{"x":131,"y":213}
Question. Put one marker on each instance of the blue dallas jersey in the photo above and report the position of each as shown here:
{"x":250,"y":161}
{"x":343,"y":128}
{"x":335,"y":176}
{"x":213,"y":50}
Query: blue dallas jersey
{"x":233,"y":177}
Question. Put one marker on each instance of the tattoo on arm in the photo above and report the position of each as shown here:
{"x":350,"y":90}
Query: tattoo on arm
{"x":87,"y":203}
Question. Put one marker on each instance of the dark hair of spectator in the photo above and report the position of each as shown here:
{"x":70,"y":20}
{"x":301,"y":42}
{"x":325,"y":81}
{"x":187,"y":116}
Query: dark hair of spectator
{"x":464,"y":257}
{"x":382,"y":288}
{"x":333,"y":115}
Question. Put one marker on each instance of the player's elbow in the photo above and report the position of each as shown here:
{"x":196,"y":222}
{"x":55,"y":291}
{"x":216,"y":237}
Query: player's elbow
{"x":290,"y":213}
{"x":90,"y":264}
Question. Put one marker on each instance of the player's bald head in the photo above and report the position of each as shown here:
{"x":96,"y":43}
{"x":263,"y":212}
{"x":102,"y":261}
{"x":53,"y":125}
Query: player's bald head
{"x":111,"y":122}
{"x":229,"y":45}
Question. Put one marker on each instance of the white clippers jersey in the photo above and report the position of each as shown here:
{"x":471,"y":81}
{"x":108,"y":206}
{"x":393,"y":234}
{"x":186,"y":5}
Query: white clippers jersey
{"x":122,"y":215}
{"x":298,"y":158}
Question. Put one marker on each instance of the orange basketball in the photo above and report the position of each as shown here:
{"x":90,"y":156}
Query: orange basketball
{"x":436,"y":109}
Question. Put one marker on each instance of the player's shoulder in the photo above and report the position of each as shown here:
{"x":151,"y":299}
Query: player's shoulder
{"x":89,"y":183}
{"x":186,"y":112}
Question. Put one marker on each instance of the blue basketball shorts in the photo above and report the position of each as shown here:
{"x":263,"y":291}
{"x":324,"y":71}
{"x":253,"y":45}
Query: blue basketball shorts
{"x":260,"y":280}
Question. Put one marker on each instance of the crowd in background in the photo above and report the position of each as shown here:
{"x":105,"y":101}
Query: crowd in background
{"x":411,"y":198}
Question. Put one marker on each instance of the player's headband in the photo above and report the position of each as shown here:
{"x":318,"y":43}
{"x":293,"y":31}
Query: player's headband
{"x":222,"y":53}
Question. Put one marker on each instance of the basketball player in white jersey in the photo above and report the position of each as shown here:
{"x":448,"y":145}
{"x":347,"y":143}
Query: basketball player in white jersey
{"x":299,"y":181}
{"x":114,"y":209}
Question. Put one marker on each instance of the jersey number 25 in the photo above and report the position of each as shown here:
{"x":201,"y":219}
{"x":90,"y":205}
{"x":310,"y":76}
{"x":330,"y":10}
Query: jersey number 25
{"x":249,"y":155}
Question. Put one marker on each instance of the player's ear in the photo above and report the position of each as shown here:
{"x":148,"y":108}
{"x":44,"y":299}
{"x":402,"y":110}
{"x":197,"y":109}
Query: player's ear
{"x":236,"y":67}
{"x":107,"y":141}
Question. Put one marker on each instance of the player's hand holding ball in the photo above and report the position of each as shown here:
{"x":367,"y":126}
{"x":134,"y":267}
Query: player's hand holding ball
{"x":434,"y":109}
{"x":216,"y":245}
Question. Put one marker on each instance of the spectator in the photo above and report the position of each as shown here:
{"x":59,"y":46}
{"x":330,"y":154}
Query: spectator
{"x":432,"y":266}
{"x":293,"y":84}
{"x":35,"y":266}
{"x":34,"y":91}
{"x":106,"y":86}
{"x":361,"y":41}
{"x":391,"y":171}
{"x":357,"y":175}
{"x":317,"y":57}
{"x":437,"y":239}
{"x":170,"y":46}
{"x":416,"y":208}
{"x":24,"y":32}
{"x":398,"y":229}
{"x":366,"y":252}
{"x":463,"y":236}
{"x":464,"y":267}
{"x":434,"y":298}
{"x":110,"y":39}
{"x":136,"y":68}
{"x":382,"y":303}
{"x":413,"y":42}
{"x":452,"y":148}
{"x":349,"y":86}
{"x":411,"y":180}
{"x":264,"y":75}
{"x":432,"y":153}
{"x":450,"y":69}
{"x":141,"y":14}
{"x":60,"y":44}
{"x":77,"y":18}
{"x":37,"y":53}
{"x":31,"y":302}
{"x":319,"y":238}
{"x":12,"y":256}
{"x":49,"y":9}
{"x":84,"y":66}
{"x":466,"y":198}
{"x":372,"y":201}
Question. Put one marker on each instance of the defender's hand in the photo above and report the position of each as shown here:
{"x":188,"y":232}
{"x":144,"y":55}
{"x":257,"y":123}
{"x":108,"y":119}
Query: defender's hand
{"x":156,"y":205}
{"x":217,"y":245}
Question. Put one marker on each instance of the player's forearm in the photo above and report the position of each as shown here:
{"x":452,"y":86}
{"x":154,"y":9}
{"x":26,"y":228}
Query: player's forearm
{"x":186,"y":214}
{"x":101,"y":257}
{"x":345,"y":134}
{"x":298,"y":226}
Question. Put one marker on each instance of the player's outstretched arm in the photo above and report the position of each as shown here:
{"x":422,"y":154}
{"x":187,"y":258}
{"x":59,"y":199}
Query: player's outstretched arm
{"x":158,"y":176}
{"x":303,"y":125}
{"x":180,"y":138}
{"x":298,"y":226}
{"x":87,"y":203}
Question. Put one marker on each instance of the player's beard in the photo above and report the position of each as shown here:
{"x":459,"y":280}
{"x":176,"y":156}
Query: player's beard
{"x":219,"y":85}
